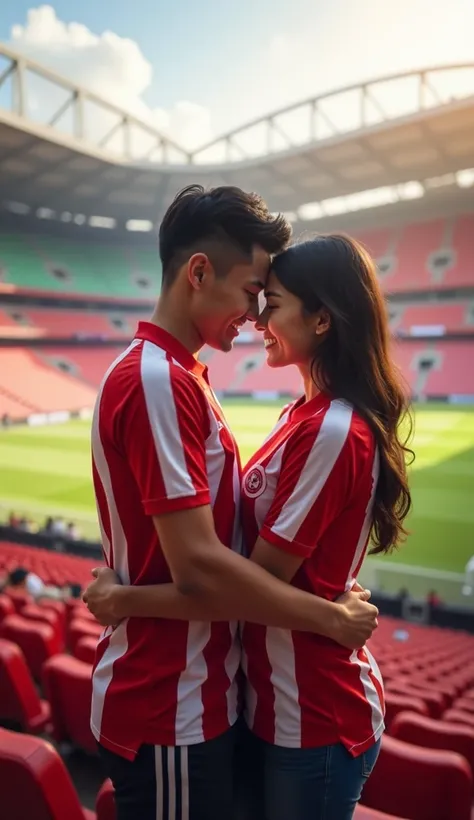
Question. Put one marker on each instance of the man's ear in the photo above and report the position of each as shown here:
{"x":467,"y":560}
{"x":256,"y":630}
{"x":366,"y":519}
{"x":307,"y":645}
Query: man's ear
{"x":198,"y":269}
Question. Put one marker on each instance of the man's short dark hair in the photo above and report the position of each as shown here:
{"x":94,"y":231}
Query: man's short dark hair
{"x":17,"y":576}
{"x":218,"y":219}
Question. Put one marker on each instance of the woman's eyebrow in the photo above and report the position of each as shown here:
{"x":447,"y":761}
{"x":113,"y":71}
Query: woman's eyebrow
{"x":272,"y":293}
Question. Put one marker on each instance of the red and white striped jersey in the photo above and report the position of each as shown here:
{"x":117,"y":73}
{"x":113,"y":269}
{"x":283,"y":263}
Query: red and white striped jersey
{"x":160,"y":444}
{"x":309,"y":490}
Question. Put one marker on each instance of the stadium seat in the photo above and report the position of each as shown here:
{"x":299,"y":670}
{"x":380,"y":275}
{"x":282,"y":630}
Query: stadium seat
{"x":105,"y":803}
{"x":19,"y":701}
{"x":465,"y":704}
{"x":399,"y":703}
{"x":35,"y":784}
{"x":68,"y":686}
{"x":434,"y":701}
{"x":18,"y":598}
{"x":39,"y":614}
{"x":85,"y":649}
{"x":111,"y":270}
{"x":36,"y":640}
{"x":435,"y":734}
{"x":29,"y":377}
{"x":81,"y":628}
{"x":6,"y":607}
{"x":59,"y":608}
{"x":458,"y":716}
{"x":419,"y":784}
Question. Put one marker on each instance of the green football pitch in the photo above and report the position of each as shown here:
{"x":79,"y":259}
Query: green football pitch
{"x":46,"y":470}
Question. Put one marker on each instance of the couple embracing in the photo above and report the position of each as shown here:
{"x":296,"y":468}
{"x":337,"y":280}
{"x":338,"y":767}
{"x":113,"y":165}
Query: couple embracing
{"x":233,"y":679}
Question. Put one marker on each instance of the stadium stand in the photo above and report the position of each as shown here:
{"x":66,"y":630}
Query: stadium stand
{"x":63,"y":324}
{"x":422,"y":261}
{"x":441,"y":318}
{"x":417,"y":257}
{"x":66,"y":378}
{"x":425,"y":256}
{"x":34,"y":385}
{"x":429,"y":675}
{"x":43,"y":263}
{"x":53,"y":568}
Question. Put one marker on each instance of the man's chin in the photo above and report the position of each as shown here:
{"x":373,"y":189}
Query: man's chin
{"x":224,"y":345}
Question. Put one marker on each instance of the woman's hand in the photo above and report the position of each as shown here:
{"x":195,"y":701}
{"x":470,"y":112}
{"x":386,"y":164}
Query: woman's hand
{"x":101,"y":596}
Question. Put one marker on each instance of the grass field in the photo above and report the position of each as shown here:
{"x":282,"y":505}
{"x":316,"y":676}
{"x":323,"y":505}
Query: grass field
{"x":46,"y":470}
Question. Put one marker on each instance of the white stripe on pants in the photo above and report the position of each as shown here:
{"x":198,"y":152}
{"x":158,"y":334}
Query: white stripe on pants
{"x":171,"y":781}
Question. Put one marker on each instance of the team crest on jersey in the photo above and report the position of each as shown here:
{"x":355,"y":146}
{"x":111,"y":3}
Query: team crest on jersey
{"x":255,"y":481}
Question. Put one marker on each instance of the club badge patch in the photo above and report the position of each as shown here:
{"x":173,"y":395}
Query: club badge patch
{"x":255,"y":481}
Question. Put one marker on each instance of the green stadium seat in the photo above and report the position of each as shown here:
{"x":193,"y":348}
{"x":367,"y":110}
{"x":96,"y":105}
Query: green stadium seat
{"x":82,"y":267}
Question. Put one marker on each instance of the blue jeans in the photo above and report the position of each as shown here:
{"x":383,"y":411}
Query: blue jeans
{"x":324,"y":783}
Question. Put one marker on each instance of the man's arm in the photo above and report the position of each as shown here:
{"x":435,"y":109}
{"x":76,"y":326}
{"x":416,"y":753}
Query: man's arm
{"x":213,"y":583}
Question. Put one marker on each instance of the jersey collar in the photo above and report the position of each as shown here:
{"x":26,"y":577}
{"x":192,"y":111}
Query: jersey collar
{"x":303,"y":409}
{"x":157,"y":336}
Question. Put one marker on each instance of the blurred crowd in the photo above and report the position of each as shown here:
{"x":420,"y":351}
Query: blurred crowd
{"x":51,"y":527}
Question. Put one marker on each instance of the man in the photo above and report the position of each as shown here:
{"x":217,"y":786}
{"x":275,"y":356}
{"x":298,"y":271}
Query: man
{"x":167,"y":482}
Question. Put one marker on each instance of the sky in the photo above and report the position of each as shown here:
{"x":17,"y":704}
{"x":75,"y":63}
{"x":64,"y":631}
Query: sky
{"x":197,"y":69}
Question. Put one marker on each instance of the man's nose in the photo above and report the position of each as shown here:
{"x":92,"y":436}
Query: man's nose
{"x":261,"y":321}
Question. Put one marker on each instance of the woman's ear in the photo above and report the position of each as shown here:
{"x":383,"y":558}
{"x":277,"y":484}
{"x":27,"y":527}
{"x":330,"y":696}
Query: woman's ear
{"x":323,"y":322}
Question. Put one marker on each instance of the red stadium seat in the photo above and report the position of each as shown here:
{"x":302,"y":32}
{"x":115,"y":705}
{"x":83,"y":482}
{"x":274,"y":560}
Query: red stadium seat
{"x":400,"y":703}
{"x":19,"y":701}
{"x":35,"y":784}
{"x":458,"y":716}
{"x":19,"y":598}
{"x":6,"y":607}
{"x":59,"y":608}
{"x":435,"y":734}
{"x":465,"y":704}
{"x":419,"y":784}
{"x":39,"y":614}
{"x":434,"y":701}
{"x":86,"y":649}
{"x":105,"y":803}
{"x":37,"y":641}
{"x":81,"y":628}
{"x":68,"y":686}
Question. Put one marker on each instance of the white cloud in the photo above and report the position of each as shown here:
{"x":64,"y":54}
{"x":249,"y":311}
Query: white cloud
{"x":111,"y":66}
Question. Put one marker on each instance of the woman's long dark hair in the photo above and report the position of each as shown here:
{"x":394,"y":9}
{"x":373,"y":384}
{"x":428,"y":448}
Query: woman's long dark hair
{"x":353,"y":361}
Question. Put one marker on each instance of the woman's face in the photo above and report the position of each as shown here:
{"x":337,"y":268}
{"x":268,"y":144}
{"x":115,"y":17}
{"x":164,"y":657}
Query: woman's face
{"x":290,"y":335}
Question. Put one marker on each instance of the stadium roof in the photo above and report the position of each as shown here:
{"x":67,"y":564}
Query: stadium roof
{"x":77,"y":157}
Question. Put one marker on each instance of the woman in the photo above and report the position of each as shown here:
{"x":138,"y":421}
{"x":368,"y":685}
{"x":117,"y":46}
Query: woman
{"x":332,"y":472}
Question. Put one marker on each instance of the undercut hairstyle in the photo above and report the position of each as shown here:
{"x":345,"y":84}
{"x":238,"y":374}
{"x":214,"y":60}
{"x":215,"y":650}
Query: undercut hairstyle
{"x":225,"y":223}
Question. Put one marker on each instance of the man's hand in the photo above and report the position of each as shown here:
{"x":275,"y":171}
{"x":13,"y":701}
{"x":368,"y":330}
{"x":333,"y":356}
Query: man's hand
{"x":357,"y":619}
{"x":100,"y":597}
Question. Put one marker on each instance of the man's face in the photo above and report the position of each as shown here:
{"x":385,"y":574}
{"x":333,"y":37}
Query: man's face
{"x":222,"y":305}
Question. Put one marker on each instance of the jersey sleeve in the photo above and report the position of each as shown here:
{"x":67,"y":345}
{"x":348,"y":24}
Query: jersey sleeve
{"x":165,"y":428}
{"x":314,"y":485}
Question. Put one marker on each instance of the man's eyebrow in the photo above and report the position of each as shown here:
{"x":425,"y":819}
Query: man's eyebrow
{"x":272,"y":293}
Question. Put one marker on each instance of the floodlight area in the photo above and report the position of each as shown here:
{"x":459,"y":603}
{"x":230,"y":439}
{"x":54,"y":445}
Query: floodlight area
{"x":378,"y":197}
